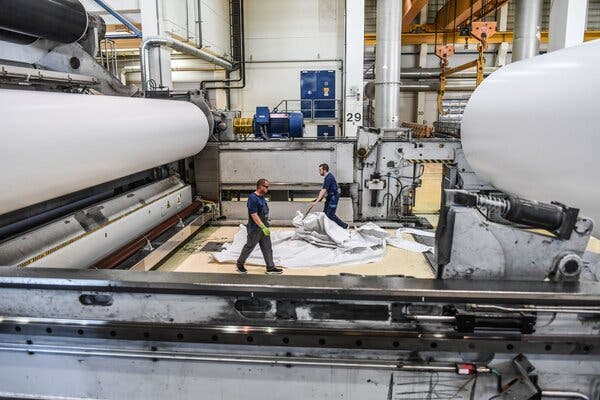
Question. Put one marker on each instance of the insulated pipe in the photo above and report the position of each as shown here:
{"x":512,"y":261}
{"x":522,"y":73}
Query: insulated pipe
{"x":434,"y":87}
{"x":532,"y":129}
{"x":53,"y":145}
{"x":434,"y":73}
{"x":62,"y":21}
{"x":528,"y":19}
{"x":387,"y":63}
{"x":152,"y":41}
{"x":420,"y":86}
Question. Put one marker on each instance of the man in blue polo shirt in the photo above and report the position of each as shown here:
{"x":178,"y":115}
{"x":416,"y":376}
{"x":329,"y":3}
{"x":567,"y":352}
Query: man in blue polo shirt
{"x":330,"y":188}
{"x":258,"y":229}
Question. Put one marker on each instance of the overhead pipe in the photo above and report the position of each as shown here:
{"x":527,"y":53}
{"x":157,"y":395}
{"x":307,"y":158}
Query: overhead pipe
{"x":434,"y":87}
{"x":153,"y":41}
{"x":528,"y":20}
{"x":434,"y":73}
{"x":387,"y":63}
{"x":199,"y":39}
{"x":422,"y":86}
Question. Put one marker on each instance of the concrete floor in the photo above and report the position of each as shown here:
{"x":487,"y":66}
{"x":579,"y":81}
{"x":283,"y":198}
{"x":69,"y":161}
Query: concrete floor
{"x":190,"y":258}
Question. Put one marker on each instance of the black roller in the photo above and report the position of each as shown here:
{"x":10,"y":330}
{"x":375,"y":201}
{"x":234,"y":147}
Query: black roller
{"x":534,"y":214}
{"x":18,"y":38}
{"x":63,"y":21}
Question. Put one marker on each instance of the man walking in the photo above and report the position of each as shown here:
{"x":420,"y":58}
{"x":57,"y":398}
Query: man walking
{"x":330,"y":188}
{"x":258,"y":229}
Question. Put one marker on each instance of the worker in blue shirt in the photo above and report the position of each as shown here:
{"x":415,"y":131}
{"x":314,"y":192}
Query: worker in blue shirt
{"x":258,"y":229}
{"x":330,"y":188}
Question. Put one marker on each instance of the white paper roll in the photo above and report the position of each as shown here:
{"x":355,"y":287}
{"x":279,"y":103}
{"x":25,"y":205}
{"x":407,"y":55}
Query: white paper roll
{"x":532,"y":129}
{"x":54,"y":144}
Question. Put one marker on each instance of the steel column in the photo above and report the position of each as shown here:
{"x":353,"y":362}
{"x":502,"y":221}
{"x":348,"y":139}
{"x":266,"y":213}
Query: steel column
{"x":526,"y":40}
{"x":387,"y":63}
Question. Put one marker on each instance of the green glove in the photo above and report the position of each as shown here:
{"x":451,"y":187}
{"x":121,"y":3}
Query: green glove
{"x":266,"y":230}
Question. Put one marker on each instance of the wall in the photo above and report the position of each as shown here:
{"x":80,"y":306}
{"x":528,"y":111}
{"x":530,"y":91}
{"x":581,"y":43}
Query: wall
{"x":283,"y":37}
{"x":215,"y":26}
{"x":180,"y":20}
{"x":128,"y":8}
{"x":279,"y":33}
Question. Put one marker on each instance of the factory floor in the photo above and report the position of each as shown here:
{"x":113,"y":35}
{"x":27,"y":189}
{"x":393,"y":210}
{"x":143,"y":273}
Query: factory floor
{"x":191,"y":258}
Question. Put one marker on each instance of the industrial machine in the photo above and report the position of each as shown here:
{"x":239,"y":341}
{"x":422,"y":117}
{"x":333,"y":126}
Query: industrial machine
{"x":80,"y":191}
{"x":270,"y":125}
{"x":472,"y":244}
{"x":514,"y":313}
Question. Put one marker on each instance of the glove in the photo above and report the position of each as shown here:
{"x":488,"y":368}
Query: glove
{"x":266,"y":231}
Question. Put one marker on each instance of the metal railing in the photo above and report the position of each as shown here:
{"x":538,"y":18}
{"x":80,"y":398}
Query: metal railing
{"x":108,"y":56}
{"x":313,"y":109}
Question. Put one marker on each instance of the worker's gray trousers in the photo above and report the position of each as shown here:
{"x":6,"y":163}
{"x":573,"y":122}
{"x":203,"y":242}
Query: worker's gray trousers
{"x":257,"y":237}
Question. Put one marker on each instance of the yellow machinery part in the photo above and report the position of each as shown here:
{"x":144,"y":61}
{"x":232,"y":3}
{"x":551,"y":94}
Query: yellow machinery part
{"x":243,"y":126}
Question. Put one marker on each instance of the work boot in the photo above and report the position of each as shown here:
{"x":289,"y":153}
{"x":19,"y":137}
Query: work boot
{"x":241,"y":269}
{"x":274,"y":270}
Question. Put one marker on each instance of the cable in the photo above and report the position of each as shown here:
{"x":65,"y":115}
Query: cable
{"x":454,"y":27}
{"x":471,"y":16}
{"x":483,"y":10}
{"x":472,"y":395}
{"x":498,"y":379}
{"x":152,"y":84}
{"x":549,"y":322}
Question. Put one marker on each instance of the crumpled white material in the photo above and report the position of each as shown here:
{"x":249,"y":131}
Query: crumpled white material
{"x":319,"y":242}
{"x":411,"y":245}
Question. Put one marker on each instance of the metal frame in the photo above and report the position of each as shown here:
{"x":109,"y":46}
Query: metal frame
{"x":136,"y":33}
{"x":371,"y":288}
{"x":254,"y":310}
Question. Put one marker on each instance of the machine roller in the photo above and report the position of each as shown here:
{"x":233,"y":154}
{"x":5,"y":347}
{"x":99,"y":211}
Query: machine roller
{"x":545,"y":137}
{"x":54,"y":144}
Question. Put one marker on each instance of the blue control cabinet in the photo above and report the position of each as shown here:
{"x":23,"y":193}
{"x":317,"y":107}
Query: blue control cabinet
{"x":325,"y":131}
{"x":317,"y":94}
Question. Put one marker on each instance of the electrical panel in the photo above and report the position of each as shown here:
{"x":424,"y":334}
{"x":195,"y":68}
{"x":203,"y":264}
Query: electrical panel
{"x":325,"y":131}
{"x":317,"y":94}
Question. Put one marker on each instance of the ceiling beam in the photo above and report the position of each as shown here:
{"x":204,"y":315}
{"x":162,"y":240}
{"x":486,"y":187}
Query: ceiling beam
{"x":410,"y":10}
{"x":456,"y":12}
{"x":499,"y":37}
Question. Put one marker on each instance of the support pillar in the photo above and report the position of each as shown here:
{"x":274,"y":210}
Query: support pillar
{"x":528,"y":21}
{"x":387,"y":64}
{"x":353,"y":67}
{"x":567,"y":23}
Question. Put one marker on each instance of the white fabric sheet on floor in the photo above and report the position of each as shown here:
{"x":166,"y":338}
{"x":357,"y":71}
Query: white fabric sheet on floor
{"x":319,"y":242}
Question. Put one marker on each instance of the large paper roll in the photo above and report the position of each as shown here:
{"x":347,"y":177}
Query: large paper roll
{"x":54,"y":144}
{"x":532,"y":129}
